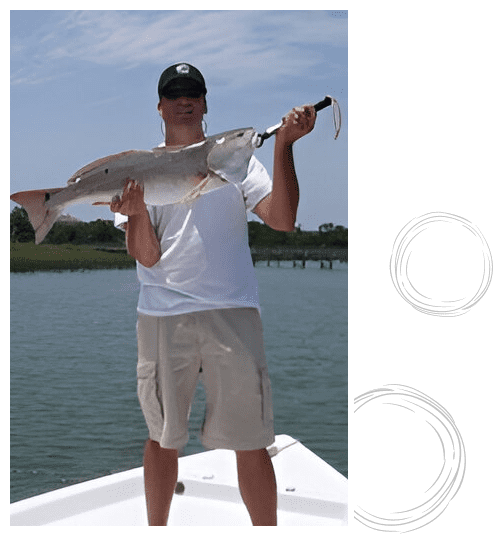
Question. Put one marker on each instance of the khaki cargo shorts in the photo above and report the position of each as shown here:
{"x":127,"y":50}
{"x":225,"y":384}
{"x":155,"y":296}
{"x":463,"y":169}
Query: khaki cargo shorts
{"x":228,"y":345}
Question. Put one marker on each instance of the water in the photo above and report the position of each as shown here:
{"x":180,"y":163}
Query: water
{"x":74,"y":410}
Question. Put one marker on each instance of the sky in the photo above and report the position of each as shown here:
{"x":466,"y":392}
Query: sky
{"x":84,"y":85}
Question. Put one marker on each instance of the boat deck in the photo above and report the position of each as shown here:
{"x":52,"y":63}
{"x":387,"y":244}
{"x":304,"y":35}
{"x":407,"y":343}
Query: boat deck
{"x":310,"y":493}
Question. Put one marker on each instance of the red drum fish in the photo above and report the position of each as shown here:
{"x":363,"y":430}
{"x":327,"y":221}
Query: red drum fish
{"x":167,"y":175}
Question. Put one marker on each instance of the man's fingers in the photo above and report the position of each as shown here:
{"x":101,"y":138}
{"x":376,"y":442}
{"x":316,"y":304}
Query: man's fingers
{"x":131,"y":184}
{"x":115,"y":204}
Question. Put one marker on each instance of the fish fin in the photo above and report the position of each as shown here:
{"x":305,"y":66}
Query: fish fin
{"x":197,"y":190}
{"x":207,"y":183}
{"x":41,"y":217}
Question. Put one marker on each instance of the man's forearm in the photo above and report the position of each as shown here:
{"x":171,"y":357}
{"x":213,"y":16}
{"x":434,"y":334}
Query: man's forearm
{"x":285,"y":190}
{"x":281,"y":207}
{"x":142,"y":242}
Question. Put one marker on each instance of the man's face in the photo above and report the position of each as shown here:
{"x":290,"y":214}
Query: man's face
{"x":182,"y":104}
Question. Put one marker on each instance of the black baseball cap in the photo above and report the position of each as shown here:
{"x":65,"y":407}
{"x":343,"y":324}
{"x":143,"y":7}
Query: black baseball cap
{"x":181,"y":79}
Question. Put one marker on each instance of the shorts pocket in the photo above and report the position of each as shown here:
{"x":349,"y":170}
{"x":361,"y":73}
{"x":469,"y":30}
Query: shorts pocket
{"x":266,"y":394}
{"x":148,"y":393}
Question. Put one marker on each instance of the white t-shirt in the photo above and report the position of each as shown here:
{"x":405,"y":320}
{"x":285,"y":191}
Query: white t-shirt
{"x":206,"y":261}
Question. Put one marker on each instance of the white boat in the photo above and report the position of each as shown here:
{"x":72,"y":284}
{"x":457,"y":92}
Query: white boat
{"x":310,"y":493}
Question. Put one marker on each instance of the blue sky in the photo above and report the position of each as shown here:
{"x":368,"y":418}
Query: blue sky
{"x":83,"y":85}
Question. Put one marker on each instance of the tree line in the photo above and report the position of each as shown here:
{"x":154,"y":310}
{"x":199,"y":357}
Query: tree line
{"x":62,"y":232}
{"x":327,"y":236}
{"x":104,"y":232}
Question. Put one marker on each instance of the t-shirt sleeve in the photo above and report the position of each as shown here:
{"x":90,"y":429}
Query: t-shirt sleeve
{"x":256,"y":185}
{"x":120,"y":220}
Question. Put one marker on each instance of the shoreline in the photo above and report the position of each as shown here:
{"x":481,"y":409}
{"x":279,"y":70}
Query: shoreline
{"x":28,"y":257}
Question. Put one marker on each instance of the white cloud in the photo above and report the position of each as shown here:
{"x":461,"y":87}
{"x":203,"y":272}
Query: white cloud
{"x":264,"y":44}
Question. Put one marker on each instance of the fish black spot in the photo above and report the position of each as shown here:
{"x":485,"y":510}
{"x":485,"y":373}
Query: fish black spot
{"x":47,"y":196}
{"x":106,"y":171}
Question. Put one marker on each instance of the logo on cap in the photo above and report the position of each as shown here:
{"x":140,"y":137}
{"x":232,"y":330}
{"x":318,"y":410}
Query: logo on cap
{"x":183,"y":68}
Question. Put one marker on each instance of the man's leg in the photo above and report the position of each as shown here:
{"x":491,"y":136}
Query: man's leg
{"x":160,"y":476}
{"x":258,"y":485}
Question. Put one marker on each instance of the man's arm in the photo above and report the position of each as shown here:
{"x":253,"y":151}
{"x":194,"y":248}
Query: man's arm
{"x":142,"y":242}
{"x":278,"y":210}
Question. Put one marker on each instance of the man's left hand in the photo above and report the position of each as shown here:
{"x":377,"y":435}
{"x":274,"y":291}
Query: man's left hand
{"x":296,"y":124}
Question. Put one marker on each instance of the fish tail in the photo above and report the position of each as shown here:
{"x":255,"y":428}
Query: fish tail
{"x":41,"y":217}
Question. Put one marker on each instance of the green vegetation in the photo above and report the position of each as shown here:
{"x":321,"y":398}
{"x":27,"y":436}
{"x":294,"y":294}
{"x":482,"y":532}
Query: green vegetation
{"x":28,"y":257}
{"x":66,"y":232}
{"x":70,"y":245}
{"x":327,"y":236}
{"x":98,"y":244}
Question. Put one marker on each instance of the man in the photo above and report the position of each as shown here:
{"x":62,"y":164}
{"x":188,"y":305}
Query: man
{"x":198,"y":306}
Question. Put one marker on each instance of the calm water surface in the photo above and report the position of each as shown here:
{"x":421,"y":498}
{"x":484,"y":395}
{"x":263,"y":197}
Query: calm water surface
{"x":74,"y":409}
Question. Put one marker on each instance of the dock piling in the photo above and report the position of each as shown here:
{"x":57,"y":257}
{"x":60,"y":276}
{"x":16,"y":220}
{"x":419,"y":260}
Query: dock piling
{"x":326,"y":256}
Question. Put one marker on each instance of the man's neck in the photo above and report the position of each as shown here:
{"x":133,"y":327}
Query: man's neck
{"x":179,"y":135}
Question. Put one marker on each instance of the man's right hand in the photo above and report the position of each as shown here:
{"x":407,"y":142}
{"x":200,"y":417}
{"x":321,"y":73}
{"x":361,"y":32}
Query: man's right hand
{"x":131,"y":202}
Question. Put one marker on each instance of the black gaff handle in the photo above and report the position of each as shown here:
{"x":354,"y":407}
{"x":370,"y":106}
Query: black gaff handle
{"x":327,"y":101}
{"x":323,"y":103}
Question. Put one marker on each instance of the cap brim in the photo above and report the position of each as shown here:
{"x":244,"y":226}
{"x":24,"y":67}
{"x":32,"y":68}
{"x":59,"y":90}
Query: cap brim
{"x":177,"y":85}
